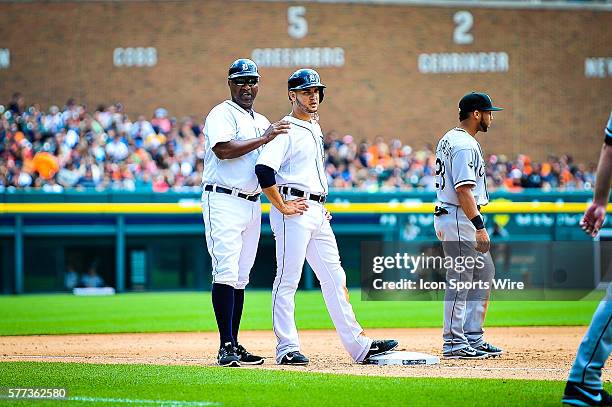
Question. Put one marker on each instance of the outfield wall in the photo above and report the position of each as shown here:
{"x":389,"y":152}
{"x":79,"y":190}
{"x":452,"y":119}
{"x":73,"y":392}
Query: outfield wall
{"x":160,"y":245}
{"x":395,"y":70}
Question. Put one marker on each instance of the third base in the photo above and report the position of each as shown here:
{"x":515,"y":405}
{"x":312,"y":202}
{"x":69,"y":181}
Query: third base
{"x":403,"y":358}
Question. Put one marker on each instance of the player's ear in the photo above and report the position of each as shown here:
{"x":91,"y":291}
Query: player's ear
{"x":291,"y":95}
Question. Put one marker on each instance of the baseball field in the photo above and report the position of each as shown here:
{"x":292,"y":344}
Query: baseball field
{"x":160,"y":349}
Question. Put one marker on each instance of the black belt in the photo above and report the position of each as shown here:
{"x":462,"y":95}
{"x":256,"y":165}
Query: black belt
{"x":212,"y":188}
{"x":439,"y":211}
{"x":301,"y":194}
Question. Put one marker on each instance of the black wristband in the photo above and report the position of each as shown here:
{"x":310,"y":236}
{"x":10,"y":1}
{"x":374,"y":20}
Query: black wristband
{"x":477,"y":222}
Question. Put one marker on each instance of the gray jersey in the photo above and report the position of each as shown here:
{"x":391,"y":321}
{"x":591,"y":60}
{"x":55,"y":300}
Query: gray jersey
{"x":459,"y":161}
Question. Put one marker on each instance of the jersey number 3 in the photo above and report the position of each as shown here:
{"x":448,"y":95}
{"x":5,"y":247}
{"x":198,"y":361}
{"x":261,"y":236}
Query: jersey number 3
{"x":440,"y":171}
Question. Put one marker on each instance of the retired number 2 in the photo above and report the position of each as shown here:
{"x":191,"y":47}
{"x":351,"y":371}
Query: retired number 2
{"x":440,"y":181}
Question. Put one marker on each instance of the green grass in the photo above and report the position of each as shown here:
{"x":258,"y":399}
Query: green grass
{"x":257,"y":387}
{"x":192,"y":311}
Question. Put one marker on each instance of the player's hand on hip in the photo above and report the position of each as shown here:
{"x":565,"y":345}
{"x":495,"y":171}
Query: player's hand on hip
{"x":483,"y":244}
{"x":295,"y":207}
{"x":328,"y":215}
{"x":280,"y":127}
{"x":593,"y":219}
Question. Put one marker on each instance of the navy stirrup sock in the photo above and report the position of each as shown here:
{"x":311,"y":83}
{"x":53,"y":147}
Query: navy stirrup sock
{"x":238,"y":304}
{"x":223,"y":304}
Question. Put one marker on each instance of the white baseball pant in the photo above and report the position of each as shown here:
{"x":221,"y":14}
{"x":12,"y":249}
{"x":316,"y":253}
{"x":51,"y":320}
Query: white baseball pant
{"x":310,"y":236}
{"x":232,"y":226}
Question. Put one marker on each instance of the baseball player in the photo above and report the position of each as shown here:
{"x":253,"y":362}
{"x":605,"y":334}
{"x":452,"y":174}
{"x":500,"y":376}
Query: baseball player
{"x":291,"y":169}
{"x":584,"y":386}
{"x":230,"y":202}
{"x":461,"y":188}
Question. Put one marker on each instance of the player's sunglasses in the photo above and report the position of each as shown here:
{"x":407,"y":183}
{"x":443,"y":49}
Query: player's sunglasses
{"x":245,"y":81}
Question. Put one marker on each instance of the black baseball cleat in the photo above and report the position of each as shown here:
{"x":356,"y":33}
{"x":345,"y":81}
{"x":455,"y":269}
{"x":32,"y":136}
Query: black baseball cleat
{"x":246,"y":357}
{"x":380,"y":346}
{"x":578,"y":395}
{"x":227,"y":356}
{"x":489,"y":349}
{"x":294,"y":359}
{"x":465,"y":353}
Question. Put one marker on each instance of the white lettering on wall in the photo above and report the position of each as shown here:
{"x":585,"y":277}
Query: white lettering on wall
{"x":298,"y":57}
{"x":5,"y":58}
{"x":598,"y":67}
{"x":456,"y":62}
{"x":138,"y":57}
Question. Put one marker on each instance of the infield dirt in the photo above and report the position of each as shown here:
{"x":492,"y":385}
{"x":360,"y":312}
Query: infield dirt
{"x":543,"y":353}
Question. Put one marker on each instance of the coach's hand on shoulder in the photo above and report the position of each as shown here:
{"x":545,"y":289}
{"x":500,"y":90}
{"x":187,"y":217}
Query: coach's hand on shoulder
{"x":295,"y":207}
{"x":483,"y":243}
{"x":280,"y":127}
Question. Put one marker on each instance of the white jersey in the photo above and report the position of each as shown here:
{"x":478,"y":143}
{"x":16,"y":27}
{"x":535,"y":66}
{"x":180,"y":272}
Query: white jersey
{"x":298,"y":157}
{"x":459,"y":161}
{"x":228,"y":121}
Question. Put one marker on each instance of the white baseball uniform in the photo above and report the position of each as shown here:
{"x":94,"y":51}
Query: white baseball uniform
{"x":232,"y":224}
{"x":459,"y":161}
{"x":298,"y":159}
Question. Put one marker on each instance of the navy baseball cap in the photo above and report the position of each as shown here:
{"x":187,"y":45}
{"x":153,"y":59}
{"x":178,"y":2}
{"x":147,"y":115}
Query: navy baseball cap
{"x":477,"y":101}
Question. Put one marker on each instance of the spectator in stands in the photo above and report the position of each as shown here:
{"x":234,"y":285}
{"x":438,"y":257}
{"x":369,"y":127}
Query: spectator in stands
{"x":51,"y":186}
{"x":106,"y":150}
{"x":68,"y":176}
{"x":17,"y":104}
{"x":87,"y":180}
{"x":141,"y":129}
{"x":161,"y":123}
{"x":117,"y":150}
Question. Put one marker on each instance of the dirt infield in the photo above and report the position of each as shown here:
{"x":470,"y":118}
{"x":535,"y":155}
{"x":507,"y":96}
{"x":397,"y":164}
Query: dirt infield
{"x":531,"y":353}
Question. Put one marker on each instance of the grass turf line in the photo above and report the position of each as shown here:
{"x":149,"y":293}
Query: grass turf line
{"x":256,"y":387}
{"x":192,"y":311}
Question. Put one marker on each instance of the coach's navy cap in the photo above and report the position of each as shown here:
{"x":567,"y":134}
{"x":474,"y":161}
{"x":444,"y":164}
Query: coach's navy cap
{"x":477,"y":101}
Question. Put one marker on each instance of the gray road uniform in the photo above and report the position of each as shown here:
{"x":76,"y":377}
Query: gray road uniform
{"x":459,"y":161}
{"x":596,"y":345}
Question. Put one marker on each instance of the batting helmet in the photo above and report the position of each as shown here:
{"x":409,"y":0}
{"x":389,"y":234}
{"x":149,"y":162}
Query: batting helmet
{"x":242,"y":67}
{"x":304,"y":79}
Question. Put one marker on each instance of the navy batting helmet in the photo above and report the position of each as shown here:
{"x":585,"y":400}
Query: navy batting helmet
{"x":304,"y":79}
{"x":242,"y":67}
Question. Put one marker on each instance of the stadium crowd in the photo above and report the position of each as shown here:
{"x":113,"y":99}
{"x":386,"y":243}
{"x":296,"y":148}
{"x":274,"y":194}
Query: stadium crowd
{"x":75,"y":148}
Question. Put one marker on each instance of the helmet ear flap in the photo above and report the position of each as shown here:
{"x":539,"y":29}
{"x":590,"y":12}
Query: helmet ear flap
{"x":321,"y":94}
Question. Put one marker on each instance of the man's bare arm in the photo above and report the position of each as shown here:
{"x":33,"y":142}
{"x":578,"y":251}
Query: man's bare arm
{"x":237,"y":148}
